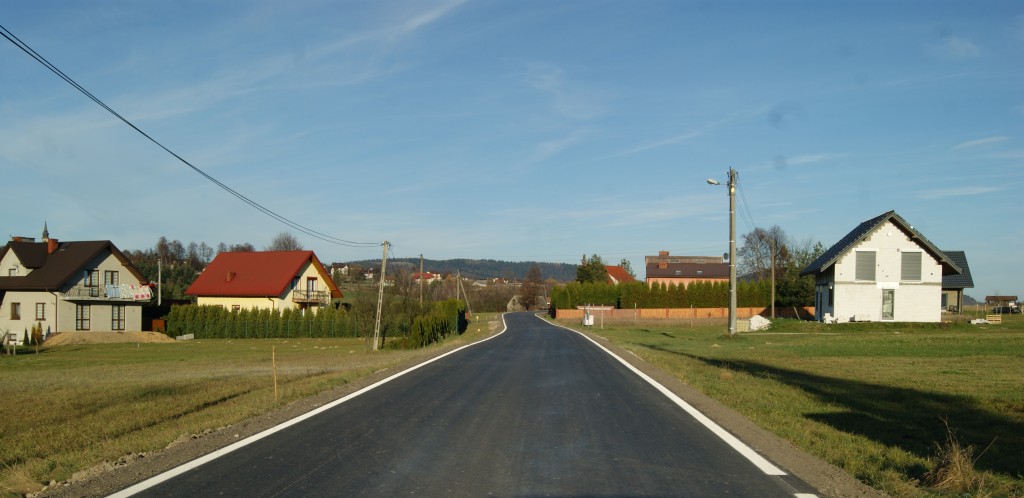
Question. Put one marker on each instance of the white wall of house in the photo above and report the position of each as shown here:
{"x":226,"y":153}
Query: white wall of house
{"x":915,"y":300}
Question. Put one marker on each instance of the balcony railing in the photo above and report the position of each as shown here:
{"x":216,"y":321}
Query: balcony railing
{"x":123,"y":293}
{"x":303,"y":296}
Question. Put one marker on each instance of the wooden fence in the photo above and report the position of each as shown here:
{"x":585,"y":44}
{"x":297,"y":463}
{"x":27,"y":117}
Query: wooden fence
{"x":803,"y":312}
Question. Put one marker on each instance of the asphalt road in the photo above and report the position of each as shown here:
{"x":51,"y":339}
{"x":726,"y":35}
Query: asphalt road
{"x":535,"y":411}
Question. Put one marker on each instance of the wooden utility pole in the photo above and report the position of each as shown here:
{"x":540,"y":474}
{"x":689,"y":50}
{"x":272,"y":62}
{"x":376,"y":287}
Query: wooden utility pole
{"x":421,"y":280}
{"x":380,"y":297}
{"x":773,"y":275}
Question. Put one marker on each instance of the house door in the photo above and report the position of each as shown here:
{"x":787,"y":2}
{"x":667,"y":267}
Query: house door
{"x":310,"y":286}
{"x":888,"y":303}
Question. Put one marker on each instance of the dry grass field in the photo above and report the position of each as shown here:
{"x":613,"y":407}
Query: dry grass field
{"x":910,"y":409}
{"x":93,"y":400}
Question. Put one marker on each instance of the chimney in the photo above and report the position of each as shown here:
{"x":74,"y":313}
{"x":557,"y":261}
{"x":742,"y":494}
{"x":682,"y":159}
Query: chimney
{"x":52,"y":245}
{"x":663,"y":253}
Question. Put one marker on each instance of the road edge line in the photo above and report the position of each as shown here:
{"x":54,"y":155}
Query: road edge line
{"x":755,"y":458}
{"x":209,"y":457}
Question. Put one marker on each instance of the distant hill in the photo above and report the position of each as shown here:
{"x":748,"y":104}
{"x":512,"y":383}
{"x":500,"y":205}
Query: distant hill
{"x":478,"y":268}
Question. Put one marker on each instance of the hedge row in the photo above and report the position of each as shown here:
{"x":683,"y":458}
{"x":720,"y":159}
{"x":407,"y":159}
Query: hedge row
{"x":216,"y":322}
{"x":658,"y":295}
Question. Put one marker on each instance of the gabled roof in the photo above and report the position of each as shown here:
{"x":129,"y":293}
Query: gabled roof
{"x":53,"y":271}
{"x":861,"y":232}
{"x":256,"y":274}
{"x":963,"y":280}
{"x":618,"y":274}
{"x":688,"y":270}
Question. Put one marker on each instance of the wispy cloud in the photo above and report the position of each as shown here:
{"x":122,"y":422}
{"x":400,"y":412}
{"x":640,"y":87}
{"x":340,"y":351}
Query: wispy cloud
{"x":954,"y":47}
{"x":980,"y":142}
{"x":660,"y":143}
{"x":568,"y":100}
{"x":682,"y":137}
{"x":813,"y":158}
{"x":549,"y":148}
{"x":954,"y":192}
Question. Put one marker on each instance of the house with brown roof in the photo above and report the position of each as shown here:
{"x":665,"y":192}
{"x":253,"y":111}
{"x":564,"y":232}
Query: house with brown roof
{"x":77,"y":286}
{"x":265,"y":279}
{"x":883,"y":269}
{"x":684,"y":270}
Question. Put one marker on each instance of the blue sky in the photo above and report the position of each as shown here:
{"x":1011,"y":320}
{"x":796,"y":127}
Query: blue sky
{"x":519,"y":130}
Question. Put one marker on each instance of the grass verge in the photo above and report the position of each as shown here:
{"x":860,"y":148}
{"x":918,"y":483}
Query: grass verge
{"x":902,"y":407}
{"x":72,"y":407}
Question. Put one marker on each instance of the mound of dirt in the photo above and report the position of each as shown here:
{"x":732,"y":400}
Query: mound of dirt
{"x":63,"y":338}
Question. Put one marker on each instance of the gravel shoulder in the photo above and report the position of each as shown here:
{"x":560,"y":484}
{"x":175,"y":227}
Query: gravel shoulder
{"x":110,"y":477}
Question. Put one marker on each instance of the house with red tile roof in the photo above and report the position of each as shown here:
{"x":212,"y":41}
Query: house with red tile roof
{"x":71,"y":286}
{"x":618,"y":275}
{"x":265,"y":279}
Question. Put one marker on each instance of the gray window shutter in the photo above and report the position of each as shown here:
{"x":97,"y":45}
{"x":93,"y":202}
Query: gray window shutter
{"x":865,"y":265}
{"x":911,"y":269}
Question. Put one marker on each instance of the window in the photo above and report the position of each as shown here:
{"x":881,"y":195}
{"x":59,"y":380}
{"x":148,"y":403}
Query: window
{"x":92,"y":282}
{"x":13,"y":272}
{"x":15,"y":311}
{"x":117,"y":317}
{"x":40,"y":311}
{"x":82,"y":321}
{"x":295,"y":283}
{"x":236,"y":308}
{"x":888,"y":304}
{"x":865,"y":266}
{"x":110,"y":278}
{"x":911,"y":267}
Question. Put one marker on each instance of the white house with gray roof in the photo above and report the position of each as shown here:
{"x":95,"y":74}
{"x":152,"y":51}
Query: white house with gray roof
{"x":883,"y":270}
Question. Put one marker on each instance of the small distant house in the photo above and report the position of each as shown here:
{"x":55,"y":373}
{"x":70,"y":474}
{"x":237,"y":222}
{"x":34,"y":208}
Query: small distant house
{"x":884,"y":270}
{"x":427,"y":277}
{"x":684,"y":270}
{"x":266,"y":279}
{"x":618,"y":275}
{"x":75,"y":286}
{"x":1001,"y":300}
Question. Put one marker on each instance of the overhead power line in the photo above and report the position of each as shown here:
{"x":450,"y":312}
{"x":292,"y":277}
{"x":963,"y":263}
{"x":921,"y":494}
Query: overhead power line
{"x":295,"y":225}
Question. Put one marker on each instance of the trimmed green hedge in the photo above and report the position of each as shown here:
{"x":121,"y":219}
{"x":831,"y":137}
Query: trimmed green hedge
{"x":658,"y":295}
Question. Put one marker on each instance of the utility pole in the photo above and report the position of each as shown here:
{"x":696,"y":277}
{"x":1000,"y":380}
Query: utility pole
{"x":380,"y":297}
{"x":421,"y":280}
{"x":732,"y":247}
{"x":773,"y":275}
{"x":732,"y":252}
{"x":159,"y":281}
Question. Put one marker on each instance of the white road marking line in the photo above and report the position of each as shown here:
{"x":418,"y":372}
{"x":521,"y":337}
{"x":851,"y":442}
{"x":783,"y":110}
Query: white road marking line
{"x":759,"y":461}
{"x":185,"y":467}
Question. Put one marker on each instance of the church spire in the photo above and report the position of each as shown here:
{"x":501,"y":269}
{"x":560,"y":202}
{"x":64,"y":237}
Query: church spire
{"x":46,"y":233}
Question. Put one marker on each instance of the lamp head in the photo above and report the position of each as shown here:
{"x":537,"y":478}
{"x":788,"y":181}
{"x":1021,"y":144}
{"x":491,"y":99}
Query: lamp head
{"x":712,"y":181}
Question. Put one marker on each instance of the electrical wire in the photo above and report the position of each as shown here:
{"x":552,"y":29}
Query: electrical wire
{"x":54,"y":69}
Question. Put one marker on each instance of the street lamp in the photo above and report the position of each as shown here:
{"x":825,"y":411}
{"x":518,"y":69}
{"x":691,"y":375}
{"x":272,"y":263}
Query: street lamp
{"x":732,"y":248}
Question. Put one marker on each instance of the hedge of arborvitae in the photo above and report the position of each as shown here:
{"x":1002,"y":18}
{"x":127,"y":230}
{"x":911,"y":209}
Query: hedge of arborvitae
{"x":446,"y":319}
{"x":216,"y":322}
{"x":658,"y":295}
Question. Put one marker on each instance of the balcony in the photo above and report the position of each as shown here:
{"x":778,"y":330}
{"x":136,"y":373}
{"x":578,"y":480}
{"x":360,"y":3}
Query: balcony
{"x":119,"y":293}
{"x":318,"y":298}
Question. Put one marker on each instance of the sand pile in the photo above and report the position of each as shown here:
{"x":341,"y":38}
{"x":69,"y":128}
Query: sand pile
{"x":104,"y":338}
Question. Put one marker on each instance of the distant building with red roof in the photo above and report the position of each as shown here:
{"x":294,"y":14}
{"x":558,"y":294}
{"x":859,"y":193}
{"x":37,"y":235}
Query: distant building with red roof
{"x":266,"y":279}
{"x":618,"y":275}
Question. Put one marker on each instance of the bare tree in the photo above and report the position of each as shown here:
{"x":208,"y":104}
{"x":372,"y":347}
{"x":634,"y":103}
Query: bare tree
{"x":532,"y":288}
{"x":284,"y":241}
